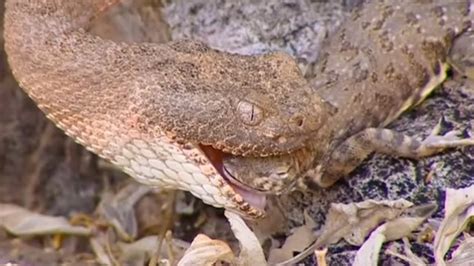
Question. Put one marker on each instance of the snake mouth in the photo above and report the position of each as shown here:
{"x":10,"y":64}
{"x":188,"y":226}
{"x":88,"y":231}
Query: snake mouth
{"x":254,"y":197}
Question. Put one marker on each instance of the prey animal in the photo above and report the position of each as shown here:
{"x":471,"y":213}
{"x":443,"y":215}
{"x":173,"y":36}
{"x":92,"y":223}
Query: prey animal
{"x":387,"y":57}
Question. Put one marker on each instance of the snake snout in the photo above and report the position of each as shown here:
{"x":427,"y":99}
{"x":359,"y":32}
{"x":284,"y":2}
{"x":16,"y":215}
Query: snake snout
{"x":301,"y":124}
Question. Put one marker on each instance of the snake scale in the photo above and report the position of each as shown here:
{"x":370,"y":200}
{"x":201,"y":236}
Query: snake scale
{"x":184,"y":116}
{"x":164,"y":113}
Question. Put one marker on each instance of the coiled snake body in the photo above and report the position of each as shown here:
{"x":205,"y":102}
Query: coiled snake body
{"x":165,"y":113}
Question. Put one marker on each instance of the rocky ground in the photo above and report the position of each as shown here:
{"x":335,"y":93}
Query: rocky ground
{"x":44,"y":171}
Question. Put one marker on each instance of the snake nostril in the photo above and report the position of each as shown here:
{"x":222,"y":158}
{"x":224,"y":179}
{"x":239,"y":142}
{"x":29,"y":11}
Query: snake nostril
{"x":298,"y":120}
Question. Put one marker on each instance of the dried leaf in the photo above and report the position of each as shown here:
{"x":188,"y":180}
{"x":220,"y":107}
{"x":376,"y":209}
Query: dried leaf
{"x":119,"y":211}
{"x":395,"y":229}
{"x":138,"y":252}
{"x":100,"y":251}
{"x":22,"y":222}
{"x":464,"y":254}
{"x":408,"y":256}
{"x":205,"y":251}
{"x":143,"y":249}
{"x":459,"y":208}
{"x":251,"y":252}
{"x":300,"y":238}
{"x":410,"y":220}
{"x":354,"y":221}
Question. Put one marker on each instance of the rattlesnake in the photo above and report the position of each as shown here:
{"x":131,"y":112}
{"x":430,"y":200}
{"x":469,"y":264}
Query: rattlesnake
{"x":166,"y":113}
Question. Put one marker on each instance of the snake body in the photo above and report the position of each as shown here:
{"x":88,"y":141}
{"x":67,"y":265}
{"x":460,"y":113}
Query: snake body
{"x":164,"y":113}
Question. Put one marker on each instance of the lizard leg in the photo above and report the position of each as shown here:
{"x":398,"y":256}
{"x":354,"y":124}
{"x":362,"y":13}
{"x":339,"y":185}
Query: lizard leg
{"x":461,"y":54}
{"x":348,"y":155}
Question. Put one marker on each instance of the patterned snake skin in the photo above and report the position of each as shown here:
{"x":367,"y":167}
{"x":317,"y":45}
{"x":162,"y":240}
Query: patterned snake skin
{"x":166,"y":114}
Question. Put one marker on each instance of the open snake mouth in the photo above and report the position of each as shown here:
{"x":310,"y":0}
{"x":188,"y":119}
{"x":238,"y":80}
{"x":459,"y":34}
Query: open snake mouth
{"x":255,"y":198}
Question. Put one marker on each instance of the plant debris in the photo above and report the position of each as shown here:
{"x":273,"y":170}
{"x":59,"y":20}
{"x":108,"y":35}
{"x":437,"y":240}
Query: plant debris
{"x":300,"y":238}
{"x":22,"y":222}
{"x":400,"y":227}
{"x":459,"y":213}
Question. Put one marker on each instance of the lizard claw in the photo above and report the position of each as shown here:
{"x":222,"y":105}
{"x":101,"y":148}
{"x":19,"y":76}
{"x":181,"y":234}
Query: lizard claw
{"x":451,"y":139}
{"x":437,"y":129}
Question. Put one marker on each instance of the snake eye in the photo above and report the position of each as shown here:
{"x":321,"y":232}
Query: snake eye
{"x":249,"y":113}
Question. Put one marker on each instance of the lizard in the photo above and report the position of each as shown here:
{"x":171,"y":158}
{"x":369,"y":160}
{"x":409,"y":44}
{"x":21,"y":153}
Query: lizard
{"x":386,"y":58}
{"x":166,"y":114}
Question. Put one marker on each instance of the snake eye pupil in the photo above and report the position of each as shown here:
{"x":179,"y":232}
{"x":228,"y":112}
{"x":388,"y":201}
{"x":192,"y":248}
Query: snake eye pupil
{"x":249,"y":113}
{"x":252,"y":114}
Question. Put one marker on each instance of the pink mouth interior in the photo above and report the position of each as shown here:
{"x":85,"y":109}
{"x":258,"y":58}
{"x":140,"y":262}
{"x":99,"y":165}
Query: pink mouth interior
{"x":216,"y":158}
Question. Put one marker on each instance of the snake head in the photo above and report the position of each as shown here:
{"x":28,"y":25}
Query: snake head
{"x":242,"y":105}
{"x":272,"y":108}
{"x":225,"y":105}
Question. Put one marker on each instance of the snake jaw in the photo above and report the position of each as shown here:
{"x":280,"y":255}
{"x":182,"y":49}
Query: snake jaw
{"x":254,"y":197}
{"x":249,"y":195}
